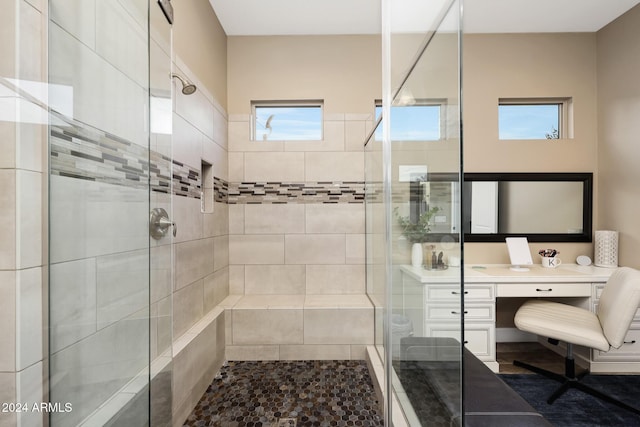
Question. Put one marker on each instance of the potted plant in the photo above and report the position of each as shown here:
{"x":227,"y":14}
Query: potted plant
{"x":416,"y":232}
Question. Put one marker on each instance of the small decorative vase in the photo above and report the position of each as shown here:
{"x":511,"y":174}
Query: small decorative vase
{"x":416,"y":255}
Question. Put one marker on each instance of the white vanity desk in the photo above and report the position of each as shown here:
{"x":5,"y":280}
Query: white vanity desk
{"x":431,"y":300}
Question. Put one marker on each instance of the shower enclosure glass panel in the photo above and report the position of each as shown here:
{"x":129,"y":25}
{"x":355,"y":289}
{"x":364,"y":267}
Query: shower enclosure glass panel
{"x":106,"y":324}
{"x":418,"y":288}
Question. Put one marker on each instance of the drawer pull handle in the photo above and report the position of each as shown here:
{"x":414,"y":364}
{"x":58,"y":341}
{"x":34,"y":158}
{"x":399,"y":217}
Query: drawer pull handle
{"x":543,"y":290}
{"x":466,"y":342}
{"x":630,"y":342}
{"x":457,"y":312}
{"x":458,"y":293}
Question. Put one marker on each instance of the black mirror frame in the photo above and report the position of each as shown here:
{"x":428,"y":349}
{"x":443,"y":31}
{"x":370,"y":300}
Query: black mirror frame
{"x":587,"y":205}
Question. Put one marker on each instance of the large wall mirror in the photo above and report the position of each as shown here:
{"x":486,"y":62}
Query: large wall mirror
{"x":544,"y":207}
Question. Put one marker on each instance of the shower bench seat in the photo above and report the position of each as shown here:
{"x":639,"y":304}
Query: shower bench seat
{"x":297,"y":327}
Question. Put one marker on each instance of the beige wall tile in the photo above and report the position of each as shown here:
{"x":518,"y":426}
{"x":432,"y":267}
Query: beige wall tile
{"x":8,"y":24}
{"x":315,"y":352}
{"x":236,"y":167}
{"x":122,"y":285}
{"x":194,"y":260}
{"x":73,"y":288}
{"x":220,"y":252}
{"x":217,"y":156}
{"x":29,"y":388}
{"x":336,"y":301}
{"x":335,"y":279}
{"x":29,"y":328}
{"x":355,"y":134}
{"x":335,"y":218}
{"x":315,"y":249}
{"x":194,"y":368}
{"x":7,"y":134}
{"x":265,"y":302}
{"x":188,"y":219}
{"x":338,"y":326}
{"x":236,"y":279}
{"x":8,"y":218}
{"x":272,"y":326}
{"x":236,"y":219}
{"x":29,"y":214}
{"x":286,"y":167}
{"x":256,"y":249}
{"x":164,"y":324}
{"x":160,"y":272}
{"x":187,"y":142}
{"x":358,"y":352}
{"x":217,"y":223}
{"x":240,"y":139}
{"x":275,"y":279}
{"x":334,"y":166}
{"x":188,"y":307}
{"x":355,"y":248}
{"x":228,"y":328}
{"x":8,"y":320}
{"x":220,"y":128}
{"x":252,"y":352}
{"x":30,"y":147}
{"x":274,"y":219}
{"x":8,"y":394}
{"x":216,"y":288}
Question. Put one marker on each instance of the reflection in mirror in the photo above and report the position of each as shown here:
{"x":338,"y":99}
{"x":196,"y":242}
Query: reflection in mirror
{"x":554,"y":207}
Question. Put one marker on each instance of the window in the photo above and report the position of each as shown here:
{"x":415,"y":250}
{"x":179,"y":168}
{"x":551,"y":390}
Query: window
{"x":533,"y":118}
{"x":422,"y":121}
{"x":287,"y":120}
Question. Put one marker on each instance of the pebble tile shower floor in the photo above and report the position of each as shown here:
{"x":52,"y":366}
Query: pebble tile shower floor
{"x":314,"y":393}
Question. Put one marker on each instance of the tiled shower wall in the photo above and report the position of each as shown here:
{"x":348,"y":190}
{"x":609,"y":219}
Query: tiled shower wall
{"x":22,"y":203}
{"x":200,"y":247}
{"x":296,"y":223}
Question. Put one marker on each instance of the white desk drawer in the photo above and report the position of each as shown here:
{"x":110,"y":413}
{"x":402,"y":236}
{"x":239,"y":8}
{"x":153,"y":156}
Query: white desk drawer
{"x":452,"y":293}
{"x":451,"y":312}
{"x":480,"y":338}
{"x":630,"y":350}
{"x":636,"y":318}
{"x":543,"y":290}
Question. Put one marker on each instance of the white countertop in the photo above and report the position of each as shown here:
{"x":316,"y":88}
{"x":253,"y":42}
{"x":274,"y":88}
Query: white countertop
{"x":500,"y":273}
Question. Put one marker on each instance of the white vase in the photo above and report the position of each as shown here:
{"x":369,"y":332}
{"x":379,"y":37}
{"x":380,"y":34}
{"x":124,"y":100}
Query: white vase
{"x":416,"y":255}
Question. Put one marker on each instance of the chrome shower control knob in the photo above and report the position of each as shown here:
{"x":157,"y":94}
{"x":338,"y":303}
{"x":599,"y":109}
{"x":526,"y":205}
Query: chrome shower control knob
{"x":159,"y":224}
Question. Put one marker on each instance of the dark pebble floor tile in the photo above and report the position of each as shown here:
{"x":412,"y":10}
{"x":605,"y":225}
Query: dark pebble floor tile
{"x":315,"y":393}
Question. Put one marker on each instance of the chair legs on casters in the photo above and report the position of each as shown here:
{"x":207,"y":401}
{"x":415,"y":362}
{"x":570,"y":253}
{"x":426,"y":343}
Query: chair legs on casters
{"x":570,"y":380}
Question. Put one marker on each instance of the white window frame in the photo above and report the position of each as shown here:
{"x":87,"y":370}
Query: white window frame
{"x":565,"y":114}
{"x":317,"y":103}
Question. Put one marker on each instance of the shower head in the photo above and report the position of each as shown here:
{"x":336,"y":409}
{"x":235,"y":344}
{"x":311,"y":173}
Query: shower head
{"x":187,"y":87}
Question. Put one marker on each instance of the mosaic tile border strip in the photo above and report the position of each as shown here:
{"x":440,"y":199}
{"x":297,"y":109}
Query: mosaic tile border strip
{"x":296,"y":192}
{"x":82,"y":152}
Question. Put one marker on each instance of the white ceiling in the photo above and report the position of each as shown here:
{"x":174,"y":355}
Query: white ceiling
{"x":288,"y":17}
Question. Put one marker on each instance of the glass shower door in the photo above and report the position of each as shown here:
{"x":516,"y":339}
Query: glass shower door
{"x":102,"y":311}
{"x":422,"y":158}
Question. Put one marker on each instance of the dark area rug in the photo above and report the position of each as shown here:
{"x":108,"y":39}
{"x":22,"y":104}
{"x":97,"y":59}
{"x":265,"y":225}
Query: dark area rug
{"x":578,"y":409}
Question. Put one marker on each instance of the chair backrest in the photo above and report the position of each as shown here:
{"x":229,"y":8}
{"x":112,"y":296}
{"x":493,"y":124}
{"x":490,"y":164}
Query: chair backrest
{"x":618,"y":304}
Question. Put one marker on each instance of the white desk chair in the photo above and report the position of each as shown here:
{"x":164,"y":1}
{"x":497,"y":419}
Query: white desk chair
{"x":603,"y":330}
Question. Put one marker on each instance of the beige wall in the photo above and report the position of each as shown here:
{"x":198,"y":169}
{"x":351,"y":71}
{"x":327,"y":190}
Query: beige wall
{"x":520,"y":66}
{"x":618,"y":54}
{"x":200,"y":41}
{"x":342,"y":70}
